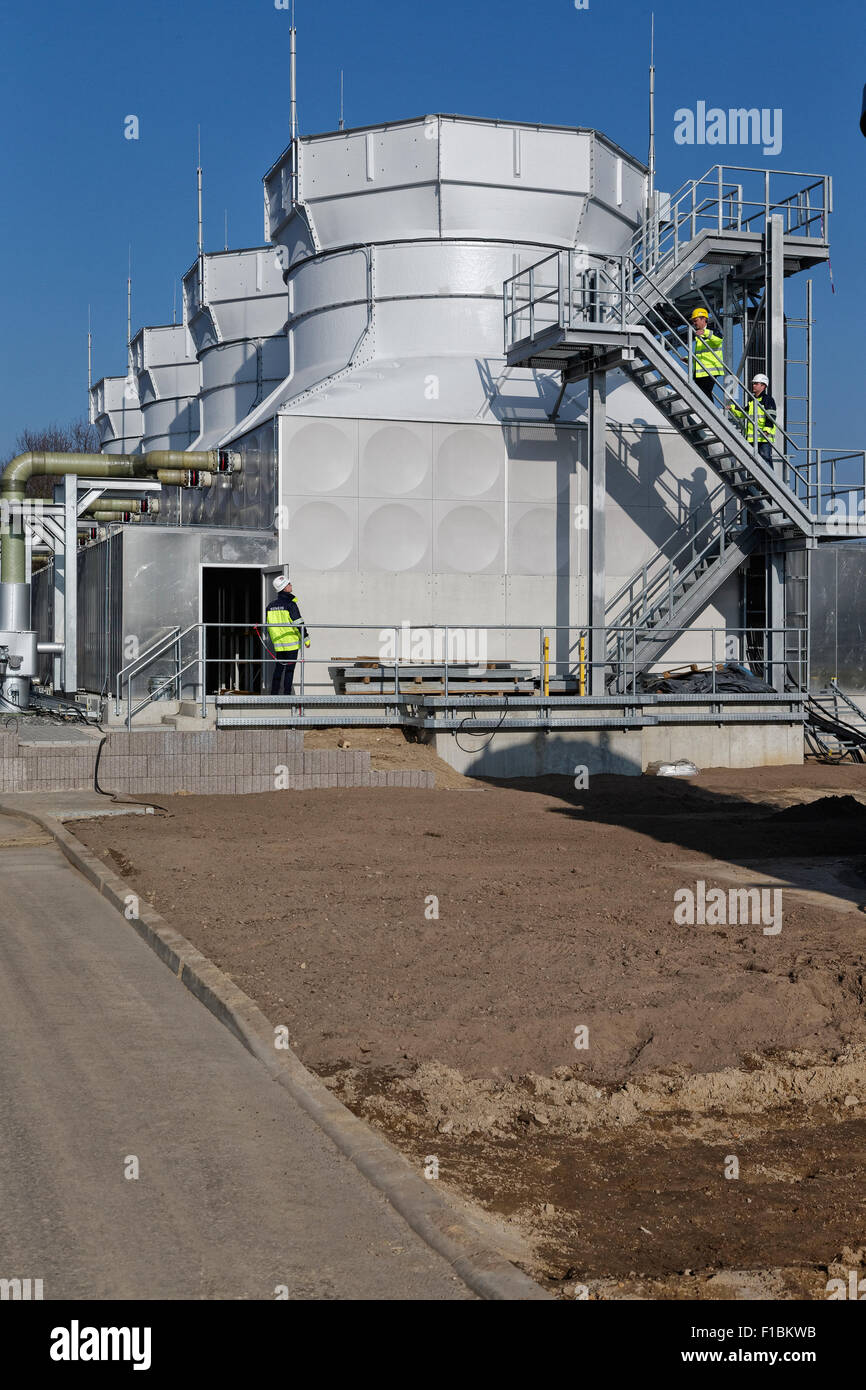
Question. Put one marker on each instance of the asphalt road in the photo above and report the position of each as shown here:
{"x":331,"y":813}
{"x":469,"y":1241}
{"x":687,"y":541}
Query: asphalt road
{"x":106,"y":1058}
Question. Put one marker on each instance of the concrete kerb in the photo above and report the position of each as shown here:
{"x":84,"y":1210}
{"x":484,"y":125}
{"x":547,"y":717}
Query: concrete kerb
{"x":445,"y":1226}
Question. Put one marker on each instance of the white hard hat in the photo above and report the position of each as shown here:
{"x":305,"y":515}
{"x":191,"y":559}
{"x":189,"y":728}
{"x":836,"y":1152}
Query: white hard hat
{"x":759,"y":376}
{"x":281,"y":582}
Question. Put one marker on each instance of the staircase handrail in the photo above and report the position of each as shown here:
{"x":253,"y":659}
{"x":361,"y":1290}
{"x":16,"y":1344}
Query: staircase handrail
{"x":620,"y":302}
{"x":725,"y":190}
{"x":664,"y":570}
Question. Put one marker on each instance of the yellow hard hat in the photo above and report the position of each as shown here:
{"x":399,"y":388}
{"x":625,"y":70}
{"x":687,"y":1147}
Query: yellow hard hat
{"x":700,"y":313}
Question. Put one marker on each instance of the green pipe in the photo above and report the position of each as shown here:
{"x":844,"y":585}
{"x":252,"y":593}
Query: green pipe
{"x":113,"y":504}
{"x":179,"y":477}
{"x":16,"y":474}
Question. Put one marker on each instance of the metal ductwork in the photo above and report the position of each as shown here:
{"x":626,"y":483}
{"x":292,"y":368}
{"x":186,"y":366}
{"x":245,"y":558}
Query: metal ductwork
{"x":18,"y":641}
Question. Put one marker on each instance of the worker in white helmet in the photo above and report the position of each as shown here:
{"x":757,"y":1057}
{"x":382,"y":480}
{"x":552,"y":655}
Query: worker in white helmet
{"x":760,"y":412}
{"x":285,"y":626}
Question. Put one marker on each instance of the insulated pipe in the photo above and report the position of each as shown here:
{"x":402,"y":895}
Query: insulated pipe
{"x":16,"y":474}
{"x":184,"y":477}
{"x":112,"y":504}
{"x":117,"y":517}
{"x":117,"y":504}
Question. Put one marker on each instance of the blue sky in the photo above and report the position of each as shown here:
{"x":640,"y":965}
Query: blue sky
{"x":76,"y":193}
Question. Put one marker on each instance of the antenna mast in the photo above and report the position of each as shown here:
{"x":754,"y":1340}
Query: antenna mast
{"x":342,"y":122}
{"x":129,"y":315}
{"x":199,"y":239}
{"x":293,"y":102}
{"x":89,"y":368}
{"x":652,"y":111}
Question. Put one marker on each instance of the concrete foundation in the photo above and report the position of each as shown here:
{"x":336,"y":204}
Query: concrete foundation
{"x":627,"y":752}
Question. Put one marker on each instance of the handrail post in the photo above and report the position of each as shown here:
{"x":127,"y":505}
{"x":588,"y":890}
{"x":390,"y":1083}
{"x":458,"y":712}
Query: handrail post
{"x":561,"y":289}
{"x":202,"y":639}
{"x":720,"y":195}
{"x":532,"y":301}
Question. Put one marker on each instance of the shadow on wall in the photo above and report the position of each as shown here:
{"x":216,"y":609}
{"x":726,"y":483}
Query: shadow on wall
{"x":539,"y":399}
{"x":519,"y":755}
{"x":641,"y":475}
{"x":698,"y":494}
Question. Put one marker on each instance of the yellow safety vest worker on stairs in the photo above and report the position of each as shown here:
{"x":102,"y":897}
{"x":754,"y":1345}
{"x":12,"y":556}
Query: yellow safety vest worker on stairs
{"x":708,"y":363}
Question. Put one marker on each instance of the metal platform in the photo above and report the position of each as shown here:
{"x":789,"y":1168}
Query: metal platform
{"x":440,"y":713}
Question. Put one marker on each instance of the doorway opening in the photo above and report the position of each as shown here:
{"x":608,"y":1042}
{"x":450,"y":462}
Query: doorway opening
{"x":231,"y":600}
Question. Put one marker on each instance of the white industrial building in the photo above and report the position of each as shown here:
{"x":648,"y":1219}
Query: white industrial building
{"x":433,"y":378}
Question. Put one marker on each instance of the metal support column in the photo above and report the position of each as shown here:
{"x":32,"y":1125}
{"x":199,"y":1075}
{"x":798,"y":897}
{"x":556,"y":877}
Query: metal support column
{"x":597,"y":499}
{"x":59,"y":632}
{"x":728,"y":307}
{"x":776,"y":314}
{"x":776,"y":618}
{"x":70,"y":614}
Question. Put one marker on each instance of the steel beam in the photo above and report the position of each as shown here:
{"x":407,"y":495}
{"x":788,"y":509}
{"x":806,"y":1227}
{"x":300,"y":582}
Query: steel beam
{"x":597,"y":548}
{"x":776,"y":314}
{"x":776,"y":617}
{"x":69,"y":637}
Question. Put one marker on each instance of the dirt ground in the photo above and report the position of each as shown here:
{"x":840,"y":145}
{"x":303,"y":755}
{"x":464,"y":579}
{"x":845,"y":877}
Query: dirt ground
{"x":434,"y":953}
{"x":390,"y":751}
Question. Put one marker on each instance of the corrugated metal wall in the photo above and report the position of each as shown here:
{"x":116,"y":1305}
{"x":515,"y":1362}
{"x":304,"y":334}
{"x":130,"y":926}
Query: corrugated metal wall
{"x":838,"y":619}
{"x":100,"y":580}
{"x":100,"y":637}
{"x":42,"y":616}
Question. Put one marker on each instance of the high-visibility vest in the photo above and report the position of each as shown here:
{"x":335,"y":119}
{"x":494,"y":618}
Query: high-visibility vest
{"x":708,"y":358}
{"x":755,"y":411}
{"x":284,"y":634}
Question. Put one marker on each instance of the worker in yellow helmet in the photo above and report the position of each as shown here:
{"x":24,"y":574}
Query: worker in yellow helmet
{"x":707,"y":353}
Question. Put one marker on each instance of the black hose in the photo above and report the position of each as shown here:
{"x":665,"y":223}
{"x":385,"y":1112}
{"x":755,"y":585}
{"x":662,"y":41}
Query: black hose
{"x":117,"y":800}
{"x":491,"y":732}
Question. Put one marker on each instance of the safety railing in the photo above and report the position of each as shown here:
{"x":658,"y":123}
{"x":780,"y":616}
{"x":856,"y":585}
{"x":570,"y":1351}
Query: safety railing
{"x":832,"y":484}
{"x":700,"y":540}
{"x":776,"y":656}
{"x":169,"y":645}
{"x":569,"y":290}
{"x":506,"y":665}
{"x":733,"y":199}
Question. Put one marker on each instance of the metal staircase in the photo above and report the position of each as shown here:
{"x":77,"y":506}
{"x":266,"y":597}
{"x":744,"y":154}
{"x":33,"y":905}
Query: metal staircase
{"x":599,"y":320}
{"x":671,"y":588}
{"x":585,"y":318}
{"x":721,"y":218}
{"x":835,"y":726}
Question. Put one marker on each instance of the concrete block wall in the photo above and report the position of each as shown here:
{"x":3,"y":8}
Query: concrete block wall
{"x":215,"y":762}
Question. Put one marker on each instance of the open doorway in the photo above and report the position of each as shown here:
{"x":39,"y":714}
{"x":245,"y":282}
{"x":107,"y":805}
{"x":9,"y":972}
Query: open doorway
{"x":231,"y":599}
